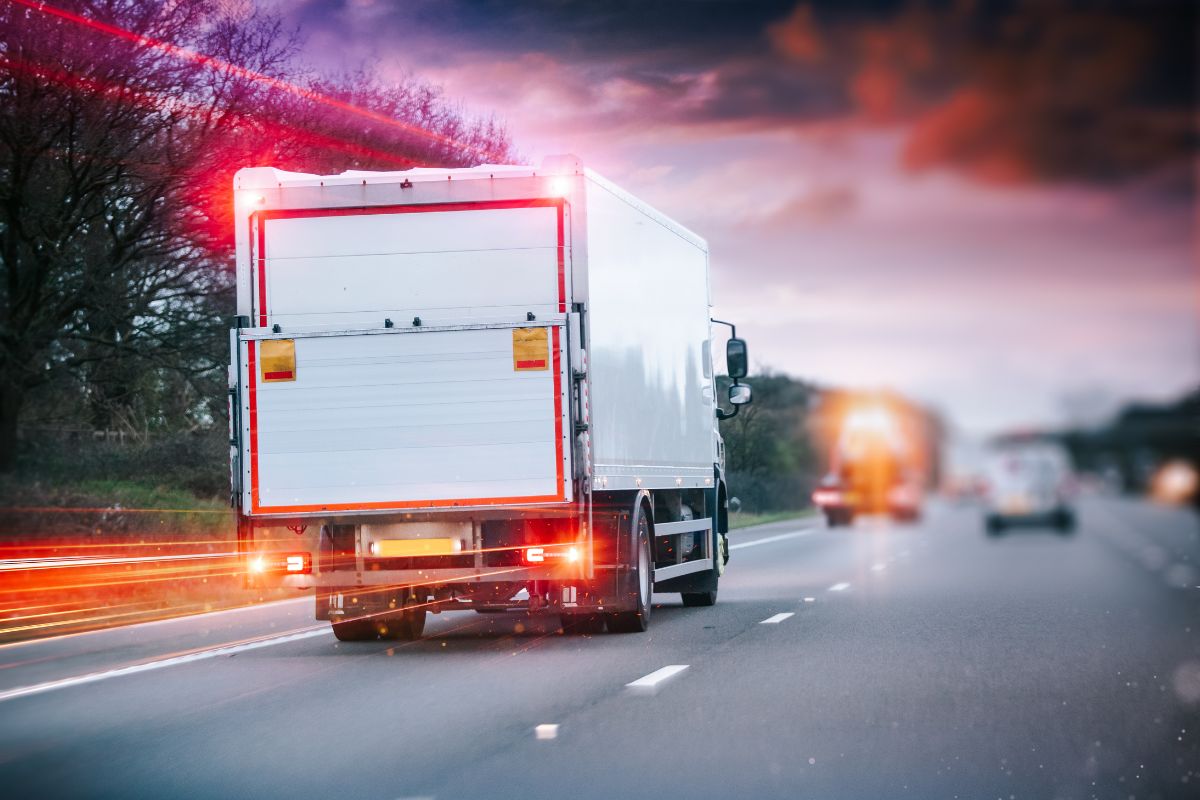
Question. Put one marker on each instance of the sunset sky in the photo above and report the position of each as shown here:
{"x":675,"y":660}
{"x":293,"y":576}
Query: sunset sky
{"x":990,"y":210}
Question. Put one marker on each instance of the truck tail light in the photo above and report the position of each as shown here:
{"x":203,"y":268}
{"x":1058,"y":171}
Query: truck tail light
{"x":298,"y":563}
{"x":282,"y":563}
{"x":542,"y":554}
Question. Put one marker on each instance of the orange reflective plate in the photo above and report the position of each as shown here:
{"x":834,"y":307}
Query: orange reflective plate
{"x":406,"y":548}
{"x":278,"y":359}
{"x":531,"y":350}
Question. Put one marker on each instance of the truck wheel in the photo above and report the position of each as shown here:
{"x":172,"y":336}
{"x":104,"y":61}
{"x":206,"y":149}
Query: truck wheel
{"x":582,"y":623}
{"x":356,"y":630}
{"x":640,"y":585}
{"x":408,"y":625}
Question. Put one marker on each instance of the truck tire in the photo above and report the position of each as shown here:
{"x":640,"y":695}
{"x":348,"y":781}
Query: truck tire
{"x":407,"y":625}
{"x":583,"y":624}
{"x":639,"y":585}
{"x":356,"y":630}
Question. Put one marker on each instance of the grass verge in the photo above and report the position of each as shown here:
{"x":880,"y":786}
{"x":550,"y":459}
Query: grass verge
{"x":744,"y":520}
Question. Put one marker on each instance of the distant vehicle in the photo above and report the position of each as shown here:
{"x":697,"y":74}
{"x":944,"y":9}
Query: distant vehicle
{"x":487,"y":388}
{"x":870,"y":473}
{"x":1029,"y":484}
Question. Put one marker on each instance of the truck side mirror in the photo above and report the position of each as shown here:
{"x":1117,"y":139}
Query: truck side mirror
{"x":737,"y":363}
{"x":739,"y":394}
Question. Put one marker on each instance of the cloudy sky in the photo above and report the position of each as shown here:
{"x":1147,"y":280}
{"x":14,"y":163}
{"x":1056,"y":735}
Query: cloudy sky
{"x":986,"y":206}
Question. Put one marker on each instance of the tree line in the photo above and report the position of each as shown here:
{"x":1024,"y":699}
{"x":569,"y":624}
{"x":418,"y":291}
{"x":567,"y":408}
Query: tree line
{"x":122,"y":123}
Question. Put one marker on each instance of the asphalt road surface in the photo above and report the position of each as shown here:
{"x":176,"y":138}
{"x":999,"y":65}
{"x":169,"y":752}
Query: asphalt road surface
{"x":917,"y":661}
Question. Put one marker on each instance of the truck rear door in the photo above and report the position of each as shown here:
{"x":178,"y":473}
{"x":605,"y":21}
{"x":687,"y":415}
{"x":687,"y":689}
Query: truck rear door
{"x":406,"y":357}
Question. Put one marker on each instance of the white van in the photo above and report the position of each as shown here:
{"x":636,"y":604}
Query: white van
{"x":1029,"y":484}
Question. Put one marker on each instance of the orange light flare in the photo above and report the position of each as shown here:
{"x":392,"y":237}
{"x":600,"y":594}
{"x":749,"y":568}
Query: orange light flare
{"x":212,"y":62}
{"x":1175,"y":482}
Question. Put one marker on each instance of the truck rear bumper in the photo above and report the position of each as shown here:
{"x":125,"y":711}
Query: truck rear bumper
{"x":438,"y":577}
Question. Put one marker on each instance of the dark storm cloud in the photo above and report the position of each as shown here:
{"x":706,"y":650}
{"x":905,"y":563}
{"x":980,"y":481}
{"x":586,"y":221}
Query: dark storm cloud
{"x":1004,"y":91}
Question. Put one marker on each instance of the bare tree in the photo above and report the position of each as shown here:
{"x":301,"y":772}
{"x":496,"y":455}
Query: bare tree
{"x":121,"y":124}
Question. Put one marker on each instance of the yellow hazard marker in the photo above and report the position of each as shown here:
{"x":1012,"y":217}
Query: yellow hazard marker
{"x":531,"y":350}
{"x":278,"y":357}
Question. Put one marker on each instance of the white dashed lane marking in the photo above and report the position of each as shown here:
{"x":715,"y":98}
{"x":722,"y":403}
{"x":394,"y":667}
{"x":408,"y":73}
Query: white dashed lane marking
{"x":546,"y":731}
{"x":839,"y":587}
{"x":650,"y":683}
{"x":778,"y":618}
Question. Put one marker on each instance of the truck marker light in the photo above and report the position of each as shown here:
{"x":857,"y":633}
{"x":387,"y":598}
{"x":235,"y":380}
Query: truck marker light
{"x":573,"y":554}
{"x":560,"y":186}
{"x":295,"y":564}
{"x":373,"y":548}
{"x":535,"y":555}
{"x":257,"y":565}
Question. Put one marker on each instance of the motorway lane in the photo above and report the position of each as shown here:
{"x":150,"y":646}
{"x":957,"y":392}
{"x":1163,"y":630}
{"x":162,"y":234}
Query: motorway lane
{"x":919,"y":661}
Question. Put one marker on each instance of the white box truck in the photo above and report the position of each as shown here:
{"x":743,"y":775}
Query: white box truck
{"x":474,"y":389}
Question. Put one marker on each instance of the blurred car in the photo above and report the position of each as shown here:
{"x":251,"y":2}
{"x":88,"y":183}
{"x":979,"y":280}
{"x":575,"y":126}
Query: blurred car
{"x":1029,"y":484}
{"x":842,"y":500}
{"x":835,"y":501}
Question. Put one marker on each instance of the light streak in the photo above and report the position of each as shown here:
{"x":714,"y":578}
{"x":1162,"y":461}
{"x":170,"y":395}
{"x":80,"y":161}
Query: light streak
{"x":201,"y":112}
{"x":212,"y":62}
{"x":64,"y":562}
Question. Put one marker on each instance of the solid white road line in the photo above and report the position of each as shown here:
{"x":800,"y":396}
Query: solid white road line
{"x":839,"y":587}
{"x":147,"y":666}
{"x":770,"y":539}
{"x":878,"y":567}
{"x":778,"y":618}
{"x":198,"y":617}
{"x":650,"y":683}
{"x":546,"y":731}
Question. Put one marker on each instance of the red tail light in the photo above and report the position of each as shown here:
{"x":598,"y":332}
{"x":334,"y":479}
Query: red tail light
{"x":827,"y":497}
{"x":550,"y":553}
{"x":282,"y":563}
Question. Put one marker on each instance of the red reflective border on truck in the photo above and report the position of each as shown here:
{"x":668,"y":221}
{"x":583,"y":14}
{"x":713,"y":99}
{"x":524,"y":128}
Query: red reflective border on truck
{"x":261,"y":217}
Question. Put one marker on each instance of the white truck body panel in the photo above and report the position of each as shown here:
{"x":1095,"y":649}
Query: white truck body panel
{"x":358,"y":269}
{"x":438,"y":416}
{"x":405,"y":418}
{"x":652,"y":395}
